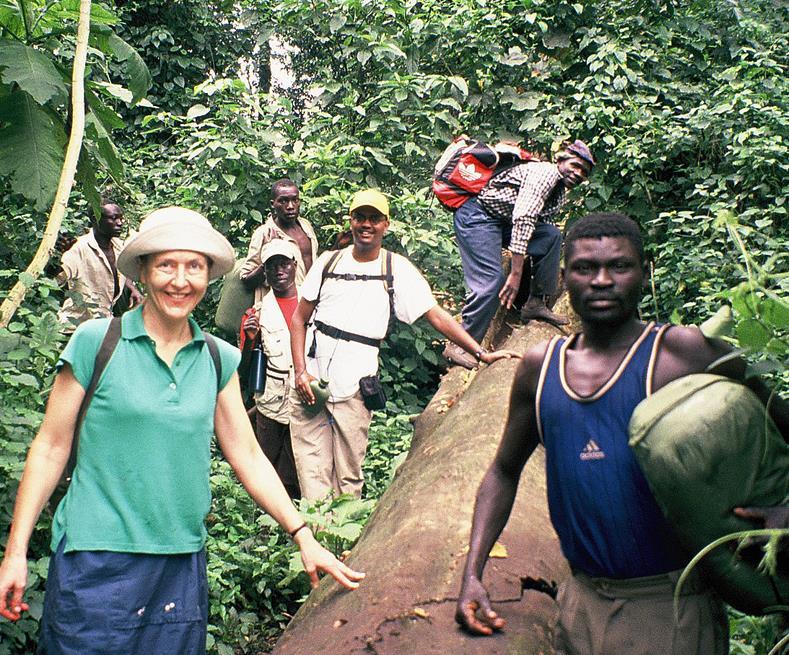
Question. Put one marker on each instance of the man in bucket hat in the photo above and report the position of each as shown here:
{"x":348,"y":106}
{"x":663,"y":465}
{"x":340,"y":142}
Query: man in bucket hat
{"x":128,"y":567}
{"x":515,"y":210}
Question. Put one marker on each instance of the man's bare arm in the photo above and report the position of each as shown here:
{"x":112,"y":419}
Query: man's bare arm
{"x":298,"y":336}
{"x":496,"y":495}
{"x":255,"y":279}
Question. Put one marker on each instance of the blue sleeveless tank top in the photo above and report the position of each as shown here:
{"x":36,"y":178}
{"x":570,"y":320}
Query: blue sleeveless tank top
{"x":607,"y":520}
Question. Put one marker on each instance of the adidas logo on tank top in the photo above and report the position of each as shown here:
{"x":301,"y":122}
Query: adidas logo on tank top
{"x":591,"y":451}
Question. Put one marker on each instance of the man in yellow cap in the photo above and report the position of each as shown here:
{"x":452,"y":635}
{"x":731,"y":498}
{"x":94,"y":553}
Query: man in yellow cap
{"x":348,"y":298}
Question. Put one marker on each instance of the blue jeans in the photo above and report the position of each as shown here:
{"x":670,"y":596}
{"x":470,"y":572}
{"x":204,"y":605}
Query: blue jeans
{"x":480,"y":239}
{"x":107,"y":603}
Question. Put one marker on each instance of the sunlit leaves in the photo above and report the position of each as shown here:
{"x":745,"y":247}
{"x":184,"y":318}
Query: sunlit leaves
{"x":64,"y":10}
{"x":515,"y":57}
{"x":528,"y":101}
{"x":195,"y":111}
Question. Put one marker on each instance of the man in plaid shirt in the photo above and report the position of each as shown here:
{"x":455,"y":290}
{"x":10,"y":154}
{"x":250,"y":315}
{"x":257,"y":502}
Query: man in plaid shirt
{"x":515,"y":210}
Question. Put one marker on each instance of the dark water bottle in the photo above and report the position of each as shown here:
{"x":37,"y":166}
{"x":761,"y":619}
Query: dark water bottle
{"x":257,"y":370}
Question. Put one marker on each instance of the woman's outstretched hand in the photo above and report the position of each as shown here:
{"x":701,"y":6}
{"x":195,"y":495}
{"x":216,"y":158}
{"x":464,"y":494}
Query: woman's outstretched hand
{"x":316,"y":558}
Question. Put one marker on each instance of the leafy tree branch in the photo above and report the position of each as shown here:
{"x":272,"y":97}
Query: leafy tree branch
{"x":39,"y":261}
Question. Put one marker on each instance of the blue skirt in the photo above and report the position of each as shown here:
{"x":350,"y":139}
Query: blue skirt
{"x":106,"y":603}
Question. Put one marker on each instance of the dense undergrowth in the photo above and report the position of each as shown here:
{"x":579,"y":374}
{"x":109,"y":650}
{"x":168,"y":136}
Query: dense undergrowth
{"x":684,"y":105}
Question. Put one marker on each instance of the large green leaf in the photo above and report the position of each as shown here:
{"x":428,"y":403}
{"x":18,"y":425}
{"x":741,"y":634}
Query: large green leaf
{"x":86,"y":178}
{"x":69,"y":10}
{"x":138,"y":77}
{"x":31,"y":148}
{"x":11,"y":17}
{"x":106,"y":152}
{"x":752,"y":333}
{"x":33,"y":71}
{"x":107,"y":115}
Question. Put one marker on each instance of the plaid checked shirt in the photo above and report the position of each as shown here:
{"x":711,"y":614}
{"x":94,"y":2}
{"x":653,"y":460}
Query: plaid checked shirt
{"x":524,"y":195}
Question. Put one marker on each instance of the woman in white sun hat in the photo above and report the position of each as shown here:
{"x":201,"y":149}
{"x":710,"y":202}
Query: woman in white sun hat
{"x":128,"y":572}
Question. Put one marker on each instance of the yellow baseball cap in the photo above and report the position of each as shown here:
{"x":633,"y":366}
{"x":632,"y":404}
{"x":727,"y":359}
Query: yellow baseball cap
{"x":370,"y":198}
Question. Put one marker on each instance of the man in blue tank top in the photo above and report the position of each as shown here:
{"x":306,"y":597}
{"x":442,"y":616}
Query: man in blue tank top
{"x":576,"y":397}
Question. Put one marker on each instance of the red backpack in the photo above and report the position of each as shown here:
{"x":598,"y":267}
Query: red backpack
{"x":467,"y":165}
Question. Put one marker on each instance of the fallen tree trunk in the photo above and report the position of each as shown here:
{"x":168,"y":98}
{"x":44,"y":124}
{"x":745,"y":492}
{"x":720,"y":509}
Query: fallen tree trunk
{"x":413,"y":547}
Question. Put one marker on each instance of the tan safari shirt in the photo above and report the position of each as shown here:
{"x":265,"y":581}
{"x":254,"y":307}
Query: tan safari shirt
{"x":87,"y":272}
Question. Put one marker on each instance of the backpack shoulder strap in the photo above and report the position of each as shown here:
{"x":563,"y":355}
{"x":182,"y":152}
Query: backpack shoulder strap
{"x":389,"y":281}
{"x":388,"y":278}
{"x":213,"y":350}
{"x":330,"y":266}
{"x":107,"y":347}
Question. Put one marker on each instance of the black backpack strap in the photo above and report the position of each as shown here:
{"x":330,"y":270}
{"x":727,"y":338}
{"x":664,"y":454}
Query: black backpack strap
{"x":337,"y":333}
{"x":107,"y":347}
{"x":389,"y":285}
{"x":354,"y":277}
{"x":329,"y":268}
{"x":213,"y":350}
{"x":386,"y":277}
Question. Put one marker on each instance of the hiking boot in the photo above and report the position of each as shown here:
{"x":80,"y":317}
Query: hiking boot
{"x":454,"y":354}
{"x":542,"y":313}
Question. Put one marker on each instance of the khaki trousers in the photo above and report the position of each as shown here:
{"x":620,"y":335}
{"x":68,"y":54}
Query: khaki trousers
{"x":329,"y":447}
{"x":600,"y":616}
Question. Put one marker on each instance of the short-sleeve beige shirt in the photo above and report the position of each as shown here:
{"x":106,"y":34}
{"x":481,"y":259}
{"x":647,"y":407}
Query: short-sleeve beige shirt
{"x":87,"y":272}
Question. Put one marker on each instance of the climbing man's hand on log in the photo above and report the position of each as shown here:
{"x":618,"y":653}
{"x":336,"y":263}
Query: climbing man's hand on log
{"x":474,"y":612}
{"x":490,"y":357}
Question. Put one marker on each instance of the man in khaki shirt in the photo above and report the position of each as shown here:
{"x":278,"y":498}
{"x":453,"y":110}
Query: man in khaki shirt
{"x":89,"y":271}
{"x":284,"y":223}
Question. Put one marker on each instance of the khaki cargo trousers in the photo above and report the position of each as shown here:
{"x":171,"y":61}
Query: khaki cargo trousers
{"x":601,"y":616}
{"x":329,"y":447}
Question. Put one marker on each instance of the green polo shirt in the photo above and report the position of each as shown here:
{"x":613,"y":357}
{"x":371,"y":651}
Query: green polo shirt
{"x":141,"y":480}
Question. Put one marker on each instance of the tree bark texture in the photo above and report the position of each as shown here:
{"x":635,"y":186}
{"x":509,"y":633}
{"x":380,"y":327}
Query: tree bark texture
{"x":47,"y":245}
{"x":413,"y":547}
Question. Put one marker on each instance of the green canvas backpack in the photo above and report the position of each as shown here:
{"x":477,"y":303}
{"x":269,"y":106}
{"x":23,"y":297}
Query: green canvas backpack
{"x":234,"y":300}
{"x":706,"y":446}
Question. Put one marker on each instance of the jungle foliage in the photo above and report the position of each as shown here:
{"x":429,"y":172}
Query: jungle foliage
{"x":684,"y":105}
{"x":36,"y":52}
